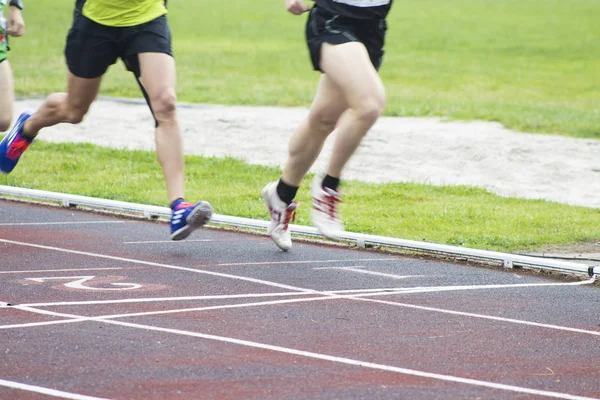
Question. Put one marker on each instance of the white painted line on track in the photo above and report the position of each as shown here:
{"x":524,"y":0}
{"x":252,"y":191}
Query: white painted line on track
{"x":63,"y":223}
{"x":309,"y":291}
{"x":330,"y":296}
{"x":428,"y":289}
{"x":367,"y":272}
{"x":302,"y":262}
{"x":46,"y":391}
{"x":168,"y":266}
{"x":488,"y":317}
{"x":60,"y":270}
{"x":170,"y":241}
{"x":341,"y":360}
{"x":185,"y":298}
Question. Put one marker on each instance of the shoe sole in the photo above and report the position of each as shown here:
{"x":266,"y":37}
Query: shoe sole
{"x":197,"y":218}
{"x":329,"y":234}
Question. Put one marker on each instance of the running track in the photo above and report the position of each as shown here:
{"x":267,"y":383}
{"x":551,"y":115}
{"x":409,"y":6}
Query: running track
{"x":95,"y":306}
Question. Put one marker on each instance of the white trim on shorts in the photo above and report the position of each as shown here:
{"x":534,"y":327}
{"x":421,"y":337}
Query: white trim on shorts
{"x":364,"y":3}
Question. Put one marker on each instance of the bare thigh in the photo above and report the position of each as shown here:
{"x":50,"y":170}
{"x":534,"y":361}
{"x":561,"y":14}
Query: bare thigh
{"x":158,"y":77}
{"x":329,"y":103}
{"x":7,"y":96}
{"x":349,"y":68}
{"x":81,"y":93}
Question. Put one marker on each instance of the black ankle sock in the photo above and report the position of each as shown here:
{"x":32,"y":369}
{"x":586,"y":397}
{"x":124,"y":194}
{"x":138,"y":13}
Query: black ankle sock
{"x":286,"y":192}
{"x":26,"y":135}
{"x":175,"y":202}
{"x":330,"y":182}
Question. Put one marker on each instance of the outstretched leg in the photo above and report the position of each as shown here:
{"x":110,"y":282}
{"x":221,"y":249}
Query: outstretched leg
{"x":7,"y":95}
{"x":58,"y":107}
{"x":69,"y":107}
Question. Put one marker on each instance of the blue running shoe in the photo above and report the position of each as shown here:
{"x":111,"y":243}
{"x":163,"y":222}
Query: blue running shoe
{"x":13,"y":145}
{"x":186,"y":217}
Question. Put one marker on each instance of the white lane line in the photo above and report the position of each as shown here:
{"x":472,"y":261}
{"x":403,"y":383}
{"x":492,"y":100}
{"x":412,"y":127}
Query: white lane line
{"x":60,"y":270}
{"x":185,"y":298}
{"x":367,"y":272}
{"x":160,"y":265}
{"x":169,"y":241}
{"x":46,"y":391}
{"x":304,"y":290}
{"x":303,"y":262}
{"x":343,"y":360}
{"x":429,"y":289}
{"x":28,"y":307}
{"x":330,"y":296}
{"x":63,"y":223}
{"x":481,"y":316}
{"x":198,"y":271}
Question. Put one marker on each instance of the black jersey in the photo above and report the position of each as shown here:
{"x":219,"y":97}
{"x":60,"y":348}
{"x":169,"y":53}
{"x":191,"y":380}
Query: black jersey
{"x":359,"y":9}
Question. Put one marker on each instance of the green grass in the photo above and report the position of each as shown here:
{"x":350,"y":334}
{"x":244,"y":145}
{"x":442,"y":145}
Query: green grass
{"x":452,"y":215}
{"x":532,"y":65}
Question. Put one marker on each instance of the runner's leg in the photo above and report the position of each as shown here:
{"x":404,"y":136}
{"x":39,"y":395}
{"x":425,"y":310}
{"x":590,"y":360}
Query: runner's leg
{"x":349,"y":67}
{"x":307,"y":142}
{"x":7,"y":95}
{"x":68,"y":107}
{"x":158,"y":80}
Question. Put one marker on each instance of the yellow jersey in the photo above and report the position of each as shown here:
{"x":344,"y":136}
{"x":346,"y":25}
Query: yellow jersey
{"x":123,"y":12}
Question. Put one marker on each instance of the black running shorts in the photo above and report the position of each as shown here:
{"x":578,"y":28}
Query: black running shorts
{"x":324,"y":27}
{"x":91,"y":47}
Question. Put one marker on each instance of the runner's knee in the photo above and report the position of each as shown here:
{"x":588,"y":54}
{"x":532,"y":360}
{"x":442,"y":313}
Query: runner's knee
{"x":370,"y":108}
{"x":75,"y":115}
{"x":322,"y":121}
{"x":4,"y":123}
{"x":164,"y":105}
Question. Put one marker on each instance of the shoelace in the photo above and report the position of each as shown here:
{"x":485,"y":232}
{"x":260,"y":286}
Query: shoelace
{"x":290,"y":215}
{"x":329,"y":202}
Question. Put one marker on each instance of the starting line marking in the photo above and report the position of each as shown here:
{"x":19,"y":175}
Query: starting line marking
{"x":184,"y":298}
{"x":324,"y":296}
{"x":46,"y":391}
{"x":315,"y":292}
{"x":335,"y":359}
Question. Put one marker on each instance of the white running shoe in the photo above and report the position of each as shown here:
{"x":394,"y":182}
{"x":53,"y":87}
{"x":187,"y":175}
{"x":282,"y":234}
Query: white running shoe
{"x":324,"y":212}
{"x":281,"y":215}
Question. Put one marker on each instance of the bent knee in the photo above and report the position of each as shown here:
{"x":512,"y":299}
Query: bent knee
{"x":323,"y":121}
{"x":164,"y":105}
{"x":75,"y":116}
{"x":370,"y":108}
{"x":4,"y":124}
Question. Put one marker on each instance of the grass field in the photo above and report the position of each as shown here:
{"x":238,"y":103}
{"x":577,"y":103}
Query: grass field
{"x":452,"y":215}
{"x":532,"y":65}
